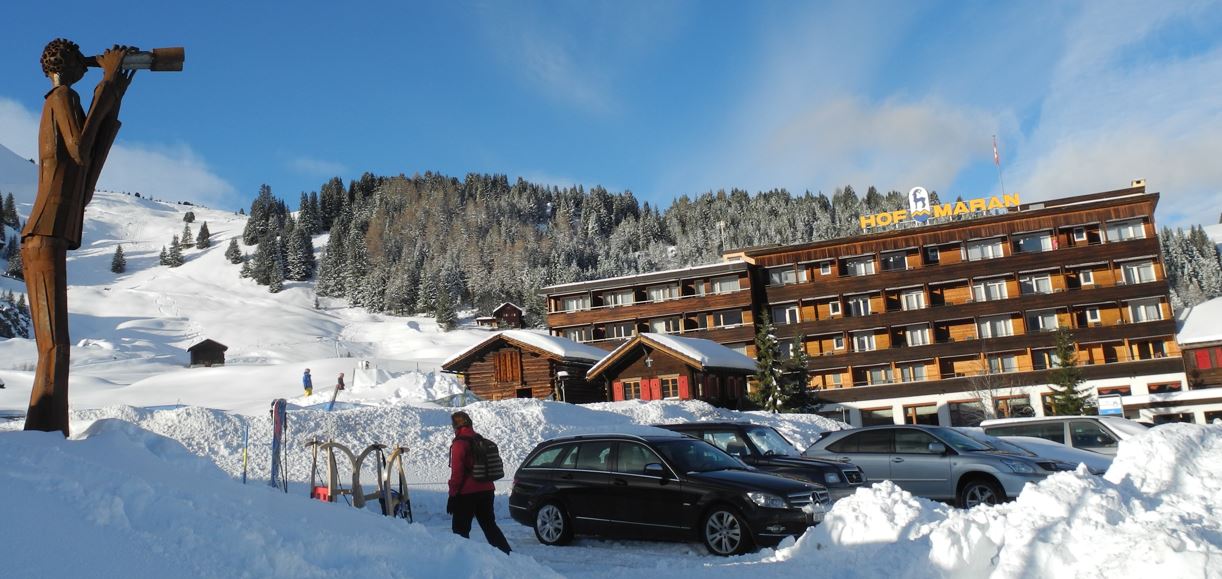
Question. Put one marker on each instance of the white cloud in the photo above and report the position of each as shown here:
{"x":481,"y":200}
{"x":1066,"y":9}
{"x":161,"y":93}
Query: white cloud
{"x":317,"y":167}
{"x":166,"y":171}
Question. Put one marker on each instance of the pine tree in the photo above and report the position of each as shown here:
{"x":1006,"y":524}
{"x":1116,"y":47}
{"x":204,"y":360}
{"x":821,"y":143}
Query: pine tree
{"x":174,"y":259}
{"x":247,"y":270}
{"x":1066,"y":398}
{"x":164,"y":258}
{"x":186,"y":237}
{"x":204,"y":239}
{"x":233,"y":253}
{"x":444,"y":311}
{"x":768,"y":394}
{"x":263,"y":262}
{"x":118,"y":263}
{"x":189,"y":217}
{"x":15,"y":268}
{"x":275,"y":279}
{"x":796,"y":379}
{"x":8,"y":212}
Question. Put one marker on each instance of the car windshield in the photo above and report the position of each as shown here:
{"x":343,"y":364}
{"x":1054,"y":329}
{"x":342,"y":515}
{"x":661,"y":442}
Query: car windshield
{"x":770,"y":442}
{"x":997,"y":443}
{"x":1123,"y":426}
{"x":697,"y":456}
{"x":959,"y":441}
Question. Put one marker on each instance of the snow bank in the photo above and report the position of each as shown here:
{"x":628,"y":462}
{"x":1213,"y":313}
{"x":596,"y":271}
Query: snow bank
{"x":122,"y":502}
{"x":1157,"y":513}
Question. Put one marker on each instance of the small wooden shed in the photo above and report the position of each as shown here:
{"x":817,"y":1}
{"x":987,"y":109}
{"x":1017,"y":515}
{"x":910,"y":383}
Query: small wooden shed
{"x":524,"y":364}
{"x":208,"y":353}
{"x":667,"y":367}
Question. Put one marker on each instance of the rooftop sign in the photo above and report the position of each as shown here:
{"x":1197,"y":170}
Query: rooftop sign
{"x":921,"y":210}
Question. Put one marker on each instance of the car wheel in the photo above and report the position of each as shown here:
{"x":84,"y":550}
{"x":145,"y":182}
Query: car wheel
{"x":724,"y":532}
{"x":552,"y":525}
{"x":980,"y":491}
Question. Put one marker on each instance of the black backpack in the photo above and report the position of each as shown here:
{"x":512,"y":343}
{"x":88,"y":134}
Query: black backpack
{"x":487,"y":466}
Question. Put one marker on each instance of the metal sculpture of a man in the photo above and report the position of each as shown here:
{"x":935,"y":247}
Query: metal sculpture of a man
{"x":72,"y":147}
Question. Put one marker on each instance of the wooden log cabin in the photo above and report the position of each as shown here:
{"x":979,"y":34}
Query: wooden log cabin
{"x":524,"y":364}
{"x":664,"y":367}
{"x":208,"y":353}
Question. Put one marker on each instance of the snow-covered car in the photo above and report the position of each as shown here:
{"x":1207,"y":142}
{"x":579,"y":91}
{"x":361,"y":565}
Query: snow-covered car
{"x":658,"y":487}
{"x":1101,"y":434}
{"x":1067,"y":457}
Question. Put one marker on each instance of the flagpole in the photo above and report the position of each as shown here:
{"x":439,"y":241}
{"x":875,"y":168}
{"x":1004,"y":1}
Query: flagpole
{"x":997,"y":161}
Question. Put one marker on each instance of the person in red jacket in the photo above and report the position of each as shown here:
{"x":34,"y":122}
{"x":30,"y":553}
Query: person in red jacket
{"x":469,"y":497}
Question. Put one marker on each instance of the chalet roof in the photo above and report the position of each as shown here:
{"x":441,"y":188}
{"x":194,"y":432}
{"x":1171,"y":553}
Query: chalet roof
{"x":698,"y":352}
{"x":1201,"y":323}
{"x":515,"y":306}
{"x":553,"y":347}
{"x":208,"y":344}
{"x":722,"y":267}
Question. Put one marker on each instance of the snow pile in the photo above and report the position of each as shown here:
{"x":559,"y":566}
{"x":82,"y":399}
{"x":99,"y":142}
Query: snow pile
{"x":122,"y":502}
{"x":1157,"y":513}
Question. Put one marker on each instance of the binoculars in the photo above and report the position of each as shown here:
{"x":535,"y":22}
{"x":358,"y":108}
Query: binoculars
{"x":157,"y":60}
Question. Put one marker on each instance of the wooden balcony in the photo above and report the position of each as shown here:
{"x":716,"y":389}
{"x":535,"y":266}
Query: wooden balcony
{"x":647,"y":310}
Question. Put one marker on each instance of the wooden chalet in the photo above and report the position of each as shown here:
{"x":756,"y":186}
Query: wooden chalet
{"x":665,"y":367}
{"x":208,"y":353}
{"x":523,"y":364}
{"x":509,"y":316}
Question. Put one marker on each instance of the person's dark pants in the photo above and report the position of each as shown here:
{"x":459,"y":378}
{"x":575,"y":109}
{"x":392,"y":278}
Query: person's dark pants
{"x":479,"y":506}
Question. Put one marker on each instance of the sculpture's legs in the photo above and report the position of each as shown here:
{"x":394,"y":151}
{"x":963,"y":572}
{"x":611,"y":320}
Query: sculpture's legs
{"x":46,"y":279}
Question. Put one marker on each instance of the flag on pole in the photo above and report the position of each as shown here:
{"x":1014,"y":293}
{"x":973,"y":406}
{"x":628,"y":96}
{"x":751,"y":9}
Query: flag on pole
{"x":996,"y":157}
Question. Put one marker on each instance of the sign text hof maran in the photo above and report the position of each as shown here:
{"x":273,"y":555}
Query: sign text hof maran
{"x":920,"y":210}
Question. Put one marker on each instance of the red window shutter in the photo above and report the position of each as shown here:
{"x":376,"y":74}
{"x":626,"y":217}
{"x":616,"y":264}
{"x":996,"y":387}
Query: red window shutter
{"x":617,"y":390}
{"x":684,"y":392}
{"x":655,"y":389}
{"x":1203,"y":361}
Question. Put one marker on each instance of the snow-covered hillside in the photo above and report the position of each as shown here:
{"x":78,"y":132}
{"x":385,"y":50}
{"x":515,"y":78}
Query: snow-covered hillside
{"x":17,"y":176}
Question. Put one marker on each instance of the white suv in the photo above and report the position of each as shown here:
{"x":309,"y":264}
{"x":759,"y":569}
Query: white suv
{"x":1101,"y":434}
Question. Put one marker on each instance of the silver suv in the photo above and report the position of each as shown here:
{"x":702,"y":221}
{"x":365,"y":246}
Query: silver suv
{"x":935,"y":462}
{"x":1101,"y":434}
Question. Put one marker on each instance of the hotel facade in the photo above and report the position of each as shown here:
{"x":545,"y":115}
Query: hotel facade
{"x":930,"y":312}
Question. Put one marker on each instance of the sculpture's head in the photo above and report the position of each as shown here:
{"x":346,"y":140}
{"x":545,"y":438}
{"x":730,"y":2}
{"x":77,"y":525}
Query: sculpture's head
{"x":63,"y":62}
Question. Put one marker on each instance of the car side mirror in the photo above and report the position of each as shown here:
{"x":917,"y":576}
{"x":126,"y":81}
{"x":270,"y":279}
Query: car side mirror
{"x":937,"y":448}
{"x":655,"y":469}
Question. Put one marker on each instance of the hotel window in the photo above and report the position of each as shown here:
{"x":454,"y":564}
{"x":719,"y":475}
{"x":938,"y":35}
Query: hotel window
{"x":825,"y":268}
{"x":1086,"y":277}
{"x":1003,"y":363}
{"x":1202,"y":360}
{"x":917,"y":335}
{"x":932,"y":255}
{"x":894,"y":261}
{"x":786,"y":275}
{"x":1035,"y":284}
{"x":838,"y":342}
{"x":859,"y":306}
{"x":911,"y":372}
{"x":632,"y":389}
{"x":670,"y":387}
{"x":986,"y":249}
{"x":727,"y":318}
{"x":995,"y":327}
{"x":1092,"y":315}
{"x":1079,"y":234}
{"x":787,"y":314}
{"x":863,"y":341}
{"x":575,"y":303}
{"x":1138,"y":272}
{"x":664,"y":325}
{"x":576,"y":334}
{"x":620,"y":330}
{"x":1043,"y":359}
{"x":833,"y":308}
{"x":913,"y":300}
{"x":987,"y":291}
{"x":1126,"y":230}
{"x":726,"y":284}
{"x":618,"y":298}
{"x":875,"y":417}
{"x":879,"y":375}
{"x":661,"y":293}
{"x":1034,"y":242}
{"x":926,"y":414}
{"x":1044,"y":321}
{"x":860,"y":265}
{"x":1145,"y":311}
{"x":837,"y":380}
{"x":1148,"y":350}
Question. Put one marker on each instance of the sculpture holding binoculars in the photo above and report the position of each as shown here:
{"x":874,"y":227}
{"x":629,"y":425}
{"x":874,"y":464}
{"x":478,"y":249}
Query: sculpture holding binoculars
{"x":72,"y":148}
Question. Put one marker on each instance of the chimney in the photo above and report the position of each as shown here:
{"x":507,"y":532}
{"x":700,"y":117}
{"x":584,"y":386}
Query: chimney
{"x":1138,"y":183}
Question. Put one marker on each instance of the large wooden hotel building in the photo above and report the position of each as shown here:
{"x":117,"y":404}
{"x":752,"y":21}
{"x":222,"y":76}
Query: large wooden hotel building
{"x":909,"y":323}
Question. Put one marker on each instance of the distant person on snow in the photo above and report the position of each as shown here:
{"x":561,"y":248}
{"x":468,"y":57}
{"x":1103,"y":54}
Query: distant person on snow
{"x":469,"y":497}
{"x":307,"y":383}
{"x":339,"y":385}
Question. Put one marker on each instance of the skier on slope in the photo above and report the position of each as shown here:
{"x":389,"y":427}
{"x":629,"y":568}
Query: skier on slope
{"x":307,"y":383}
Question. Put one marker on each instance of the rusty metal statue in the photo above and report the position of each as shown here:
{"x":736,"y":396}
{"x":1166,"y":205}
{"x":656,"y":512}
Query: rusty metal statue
{"x":72,"y":147}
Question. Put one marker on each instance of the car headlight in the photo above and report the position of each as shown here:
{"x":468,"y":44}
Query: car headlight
{"x":831,"y":478}
{"x":766,"y":500}
{"x":1018,"y":466}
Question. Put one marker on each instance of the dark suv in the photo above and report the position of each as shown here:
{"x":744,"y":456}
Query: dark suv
{"x":658,"y":487}
{"x":766,"y":449}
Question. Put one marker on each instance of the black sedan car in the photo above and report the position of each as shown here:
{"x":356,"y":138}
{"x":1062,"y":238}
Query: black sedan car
{"x":658,"y":487}
{"x":766,"y":449}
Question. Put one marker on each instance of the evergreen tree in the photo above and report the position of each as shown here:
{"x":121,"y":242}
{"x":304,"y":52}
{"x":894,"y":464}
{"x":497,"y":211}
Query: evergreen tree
{"x":768,"y":373}
{"x":118,"y":263}
{"x":444,"y":312}
{"x":15,"y":268}
{"x":247,"y":270}
{"x":233,"y":253}
{"x":186,"y":237}
{"x":204,"y":239}
{"x":1067,"y":399}
{"x":263,"y":262}
{"x":307,"y":219}
{"x":164,"y":258}
{"x":8,"y":212}
{"x":275,"y":280}
{"x":174,"y":258}
{"x":189,"y":217}
{"x":796,"y":379}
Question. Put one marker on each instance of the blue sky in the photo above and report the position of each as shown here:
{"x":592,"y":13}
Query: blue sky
{"x":661,"y":98}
